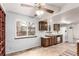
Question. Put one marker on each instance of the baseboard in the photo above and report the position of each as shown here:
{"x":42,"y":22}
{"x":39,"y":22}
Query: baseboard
{"x":22,"y":51}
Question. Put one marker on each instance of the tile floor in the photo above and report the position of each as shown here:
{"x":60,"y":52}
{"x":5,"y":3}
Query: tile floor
{"x":55,"y":50}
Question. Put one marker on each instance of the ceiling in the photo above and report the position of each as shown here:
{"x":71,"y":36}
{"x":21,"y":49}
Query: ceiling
{"x":57,"y":4}
{"x":71,"y":16}
{"x":30,"y":11}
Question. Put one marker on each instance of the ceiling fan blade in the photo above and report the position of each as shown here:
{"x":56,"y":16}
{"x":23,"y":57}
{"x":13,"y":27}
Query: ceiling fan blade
{"x":26,"y":5}
{"x":48,"y":10}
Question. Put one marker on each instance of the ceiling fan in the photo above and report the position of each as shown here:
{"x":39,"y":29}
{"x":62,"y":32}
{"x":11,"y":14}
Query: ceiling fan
{"x":39,"y":6}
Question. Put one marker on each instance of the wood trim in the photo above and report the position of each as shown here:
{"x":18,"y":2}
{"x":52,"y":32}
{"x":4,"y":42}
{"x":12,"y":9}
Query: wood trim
{"x":2,"y":32}
{"x":77,"y":48}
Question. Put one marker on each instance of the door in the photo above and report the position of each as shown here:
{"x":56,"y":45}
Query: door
{"x":70,"y":35}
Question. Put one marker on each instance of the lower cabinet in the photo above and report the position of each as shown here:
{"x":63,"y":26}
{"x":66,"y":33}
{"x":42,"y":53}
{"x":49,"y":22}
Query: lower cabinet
{"x":51,"y":40}
{"x":45,"y":41}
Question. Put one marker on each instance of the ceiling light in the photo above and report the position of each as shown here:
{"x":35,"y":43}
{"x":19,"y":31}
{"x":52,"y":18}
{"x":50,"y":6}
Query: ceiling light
{"x":39,"y":12}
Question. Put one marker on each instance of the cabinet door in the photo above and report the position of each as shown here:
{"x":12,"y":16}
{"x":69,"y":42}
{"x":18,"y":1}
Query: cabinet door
{"x":43,"y":26}
{"x":57,"y":27}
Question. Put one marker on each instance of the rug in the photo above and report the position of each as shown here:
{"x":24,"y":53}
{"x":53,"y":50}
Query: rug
{"x":68,"y":53}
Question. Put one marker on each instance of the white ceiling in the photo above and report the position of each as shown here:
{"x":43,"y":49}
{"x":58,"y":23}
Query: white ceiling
{"x":15,"y":7}
{"x":72,"y":16}
{"x":30,"y":11}
{"x":57,"y":4}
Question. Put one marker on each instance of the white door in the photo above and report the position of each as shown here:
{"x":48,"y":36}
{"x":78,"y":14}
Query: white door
{"x":70,"y":35}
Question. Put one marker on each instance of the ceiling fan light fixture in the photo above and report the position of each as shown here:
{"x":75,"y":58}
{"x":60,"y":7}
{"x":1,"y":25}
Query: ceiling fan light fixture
{"x":39,"y":12}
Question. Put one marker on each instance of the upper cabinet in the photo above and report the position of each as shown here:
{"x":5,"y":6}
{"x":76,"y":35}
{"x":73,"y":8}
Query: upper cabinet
{"x":43,"y":26}
{"x":57,"y":27}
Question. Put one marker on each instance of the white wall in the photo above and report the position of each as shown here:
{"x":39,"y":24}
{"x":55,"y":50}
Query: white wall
{"x":73,"y":34}
{"x":12,"y":44}
{"x":76,"y":31}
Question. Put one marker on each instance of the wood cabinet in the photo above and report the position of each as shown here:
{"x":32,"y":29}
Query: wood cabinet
{"x":77,"y":48}
{"x":2,"y":32}
{"x":43,"y":26}
{"x":45,"y":41}
{"x":51,"y":40}
{"x":57,"y":27}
